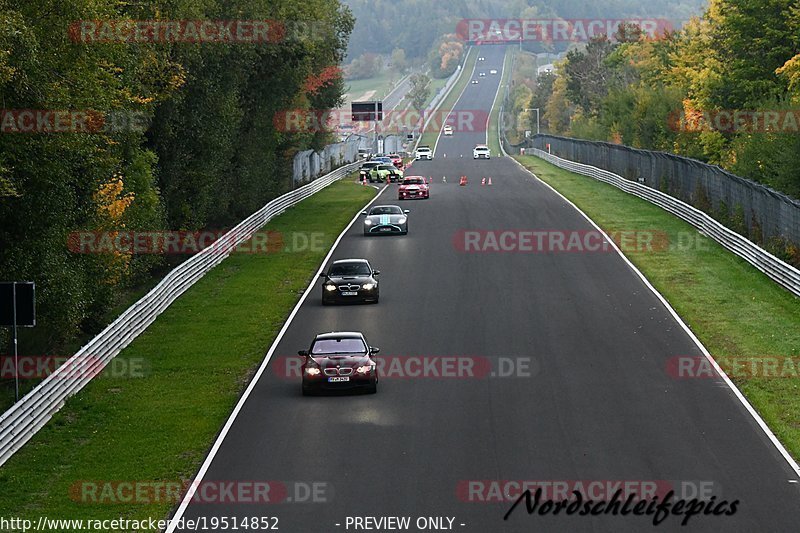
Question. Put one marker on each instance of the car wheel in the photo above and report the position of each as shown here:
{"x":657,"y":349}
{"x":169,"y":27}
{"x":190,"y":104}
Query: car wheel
{"x":373,"y":389}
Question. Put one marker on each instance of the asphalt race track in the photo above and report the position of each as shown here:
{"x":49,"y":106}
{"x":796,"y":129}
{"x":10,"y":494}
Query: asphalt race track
{"x":589,"y":398}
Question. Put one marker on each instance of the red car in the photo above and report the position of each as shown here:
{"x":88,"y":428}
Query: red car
{"x":413,"y":187}
{"x":396,"y":160}
{"x":339,"y":360}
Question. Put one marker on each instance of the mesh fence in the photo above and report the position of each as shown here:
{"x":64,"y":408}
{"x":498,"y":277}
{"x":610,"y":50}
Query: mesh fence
{"x":309,"y":164}
{"x":761,"y":213}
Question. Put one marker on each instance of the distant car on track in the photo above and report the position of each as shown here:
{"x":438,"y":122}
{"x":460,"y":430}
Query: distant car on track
{"x":474,"y":82}
{"x":350,"y":281}
{"x":423,"y":152}
{"x":493,"y":71}
{"x":397,"y":161}
{"x":385,"y":219}
{"x":448,"y":130}
{"x":413,"y":187}
{"x":339,"y":360}
{"x":481,"y":74}
{"x":481,"y":58}
{"x":481,"y":152}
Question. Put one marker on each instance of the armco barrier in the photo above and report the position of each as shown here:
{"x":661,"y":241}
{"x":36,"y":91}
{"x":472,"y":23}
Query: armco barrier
{"x":29,"y":415}
{"x":784,"y":274}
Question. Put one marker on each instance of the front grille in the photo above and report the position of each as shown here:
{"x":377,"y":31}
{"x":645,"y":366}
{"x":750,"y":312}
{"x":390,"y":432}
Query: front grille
{"x":349,"y":287}
{"x":346,"y":371}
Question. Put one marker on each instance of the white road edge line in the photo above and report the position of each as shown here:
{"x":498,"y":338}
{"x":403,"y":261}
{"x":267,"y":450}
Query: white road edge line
{"x":474,"y":66}
{"x":173,"y":523}
{"x":508,"y":50}
{"x":763,"y":425}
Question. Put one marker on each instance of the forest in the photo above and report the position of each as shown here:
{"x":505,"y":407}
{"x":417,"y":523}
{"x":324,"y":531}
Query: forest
{"x":724,"y":89}
{"x":132,"y":129}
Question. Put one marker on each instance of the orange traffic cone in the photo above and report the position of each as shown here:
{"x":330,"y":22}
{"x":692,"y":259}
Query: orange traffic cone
{"x":430,"y":180}
{"x":483,"y":180}
{"x":490,"y":180}
{"x":444,"y":179}
{"x":463,"y":181}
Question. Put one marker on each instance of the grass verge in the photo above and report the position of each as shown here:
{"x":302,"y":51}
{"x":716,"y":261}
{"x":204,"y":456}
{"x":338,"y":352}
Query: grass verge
{"x":446,"y":105}
{"x":749,"y":324}
{"x":191,"y":365}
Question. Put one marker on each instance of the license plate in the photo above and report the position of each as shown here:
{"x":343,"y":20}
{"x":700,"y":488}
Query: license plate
{"x":349,"y":293}
{"x":386,"y":229}
{"x":338,"y":379}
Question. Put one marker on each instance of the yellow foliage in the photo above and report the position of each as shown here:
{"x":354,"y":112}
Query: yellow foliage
{"x":111,"y":206}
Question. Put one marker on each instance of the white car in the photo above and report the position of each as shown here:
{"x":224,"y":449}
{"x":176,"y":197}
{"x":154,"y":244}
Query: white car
{"x":493,"y":71}
{"x":448,"y":130}
{"x":423,"y":152}
{"x":474,"y":82}
{"x":481,"y":152}
{"x":481,"y":58}
{"x":481,"y":74}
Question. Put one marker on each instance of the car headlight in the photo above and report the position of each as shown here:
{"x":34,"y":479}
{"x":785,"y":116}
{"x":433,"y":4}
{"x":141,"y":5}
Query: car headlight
{"x":367,"y":222}
{"x":401,"y":220}
{"x":330,"y":287}
{"x":364,"y":369}
{"x":312,"y":371}
{"x":368,"y":286}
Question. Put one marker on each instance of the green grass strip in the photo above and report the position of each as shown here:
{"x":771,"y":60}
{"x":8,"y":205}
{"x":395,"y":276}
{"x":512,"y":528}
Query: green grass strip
{"x":196,"y":359}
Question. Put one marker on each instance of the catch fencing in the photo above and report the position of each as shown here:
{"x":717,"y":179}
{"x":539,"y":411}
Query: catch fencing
{"x":765,"y":215}
{"x":34,"y":410}
{"x":783,"y":273}
{"x":310,"y":164}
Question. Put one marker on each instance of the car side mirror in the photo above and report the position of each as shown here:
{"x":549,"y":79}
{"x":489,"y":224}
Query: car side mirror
{"x":406,"y":211}
{"x":374,"y":350}
{"x":363,"y":212}
{"x":304,"y":353}
{"x":376,"y":272}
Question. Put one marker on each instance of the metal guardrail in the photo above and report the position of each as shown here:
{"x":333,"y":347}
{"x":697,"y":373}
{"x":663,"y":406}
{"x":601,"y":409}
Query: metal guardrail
{"x":782,"y":273}
{"x":33,"y":411}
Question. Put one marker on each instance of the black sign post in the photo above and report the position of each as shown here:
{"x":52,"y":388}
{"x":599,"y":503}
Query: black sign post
{"x":369,"y":111}
{"x":17,"y":308}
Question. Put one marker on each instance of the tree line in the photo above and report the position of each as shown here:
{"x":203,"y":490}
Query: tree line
{"x":101,"y":133}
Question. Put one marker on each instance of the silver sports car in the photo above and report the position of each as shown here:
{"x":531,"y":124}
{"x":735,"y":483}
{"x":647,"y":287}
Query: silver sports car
{"x":385,"y":219}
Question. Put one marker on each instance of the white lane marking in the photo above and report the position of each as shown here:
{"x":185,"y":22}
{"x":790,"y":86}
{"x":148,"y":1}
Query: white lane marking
{"x":229,"y":423}
{"x":763,"y":425}
{"x":439,"y":135}
{"x":494,"y":102}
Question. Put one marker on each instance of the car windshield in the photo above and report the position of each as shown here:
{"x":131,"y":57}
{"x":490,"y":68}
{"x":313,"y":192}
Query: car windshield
{"x":386,"y":210}
{"x":386,"y":167}
{"x":356,"y":268}
{"x":413,"y":181}
{"x":334,"y":346}
{"x":423,"y":150}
